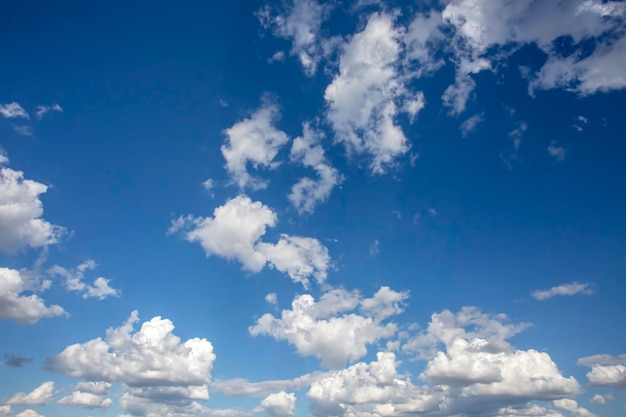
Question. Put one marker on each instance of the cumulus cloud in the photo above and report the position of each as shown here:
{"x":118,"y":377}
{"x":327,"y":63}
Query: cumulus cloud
{"x":239,"y":387}
{"x":470,"y":376}
{"x":74,"y":281}
{"x":15,"y":305}
{"x":281,"y":404}
{"x":21,"y":209}
{"x":308,"y":192}
{"x":447,"y":326}
{"x":572,"y":288}
{"x":37,"y":397}
{"x":254,"y":141}
{"x":43,"y":110}
{"x":13,"y":111}
{"x":606,"y":370}
{"x":153,"y":362}
{"x":364,"y":97}
{"x":235,"y":232}
{"x":28,"y":413}
{"x":330,"y":329}
{"x":300,"y":22}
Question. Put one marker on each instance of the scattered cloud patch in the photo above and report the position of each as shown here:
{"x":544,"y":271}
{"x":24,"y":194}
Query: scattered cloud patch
{"x":281,"y":404}
{"x":271,"y":298}
{"x":43,"y":110}
{"x":307,"y":193}
{"x":572,"y":288}
{"x":470,"y":124}
{"x":557,"y":152}
{"x":15,"y":361}
{"x":13,"y":111}
{"x":374,"y":248}
{"x":74,"y":281}
{"x":606,"y":370}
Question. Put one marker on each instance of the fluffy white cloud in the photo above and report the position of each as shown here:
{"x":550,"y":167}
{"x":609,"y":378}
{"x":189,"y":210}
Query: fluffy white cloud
{"x":563,"y":289}
{"x":29,"y":413}
{"x":37,"y":397}
{"x":74,"y":281}
{"x":85,"y":400}
{"x":307,"y":192}
{"x":43,"y":110}
{"x":330,"y":329}
{"x":470,"y":376}
{"x":235,"y":232}
{"x":281,"y":404}
{"x":572,"y":406}
{"x":254,"y":140}
{"x":150,"y":357}
{"x":606,"y":370}
{"x":300,"y":23}
{"x":446,"y":326}
{"x":21,"y":209}
{"x":364,"y":98}
{"x":26,"y":309}
{"x":13,"y":111}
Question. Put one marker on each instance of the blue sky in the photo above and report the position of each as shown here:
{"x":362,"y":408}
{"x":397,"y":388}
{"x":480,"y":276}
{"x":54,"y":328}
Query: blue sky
{"x":298,"y":208}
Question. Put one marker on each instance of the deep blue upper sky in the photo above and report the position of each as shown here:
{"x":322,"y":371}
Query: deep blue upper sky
{"x":438,"y":183}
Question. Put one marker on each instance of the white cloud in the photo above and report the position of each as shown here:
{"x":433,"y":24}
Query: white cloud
{"x":28,"y":413}
{"x":364,"y":97}
{"x":25,"y":309}
{"x":74,"y":281}
{"x":606,"y":370}
{"x":85,"y":400}
{"x":281,"y":404}
{"x":13,"y":111}
{"x":21,"y":209}
{"x":235,"y":232}
{"x":563,"y":289}
{"x":470,"y":124}
{"x":471,"y":376}
{"x":598,"y":399}
{"x":43,"y":110}
{"x":239,"y":387}
{"x":37,"y":397}
{"x":557,"y":152}
{"x":412,"y":106}
{"x":572,"y":406}
{"x":254,"y":140}
{"x":272,"y":298}
{"x":151,"y":358}
{"x":458,"y":94}
{"x":300,"y":23}
{"x":374,"y":247}
{"x":330,"y":329}
{"x":208,"y":184}
{"x":24,"y":130}
{"x":446,"y":326}
{"x":307,"y":192}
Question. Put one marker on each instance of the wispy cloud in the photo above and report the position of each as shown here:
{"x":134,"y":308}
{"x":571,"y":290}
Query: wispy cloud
{"x":13,"y":111}
{"x":43,"y":110}
{"x":558,"y":152}
{"x":564,"y":289}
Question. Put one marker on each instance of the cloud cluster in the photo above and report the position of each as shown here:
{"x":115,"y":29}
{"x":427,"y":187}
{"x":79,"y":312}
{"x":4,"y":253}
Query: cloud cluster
{"x":331,"y":329}
{"x":74,"y":281}
{"x":235,"y":232}
{"x":154,"y":365}
{"x":606,"y":370}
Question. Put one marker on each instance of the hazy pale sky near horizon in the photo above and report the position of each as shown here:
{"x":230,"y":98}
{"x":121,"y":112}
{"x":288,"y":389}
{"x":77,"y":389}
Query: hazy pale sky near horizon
{"x":303,"y":208}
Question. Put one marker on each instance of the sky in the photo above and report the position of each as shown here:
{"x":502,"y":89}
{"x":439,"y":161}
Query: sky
{"x":302,"y":208}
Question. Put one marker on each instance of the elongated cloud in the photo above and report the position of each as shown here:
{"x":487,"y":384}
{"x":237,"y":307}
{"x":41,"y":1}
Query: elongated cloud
{"x":573,"y":288}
